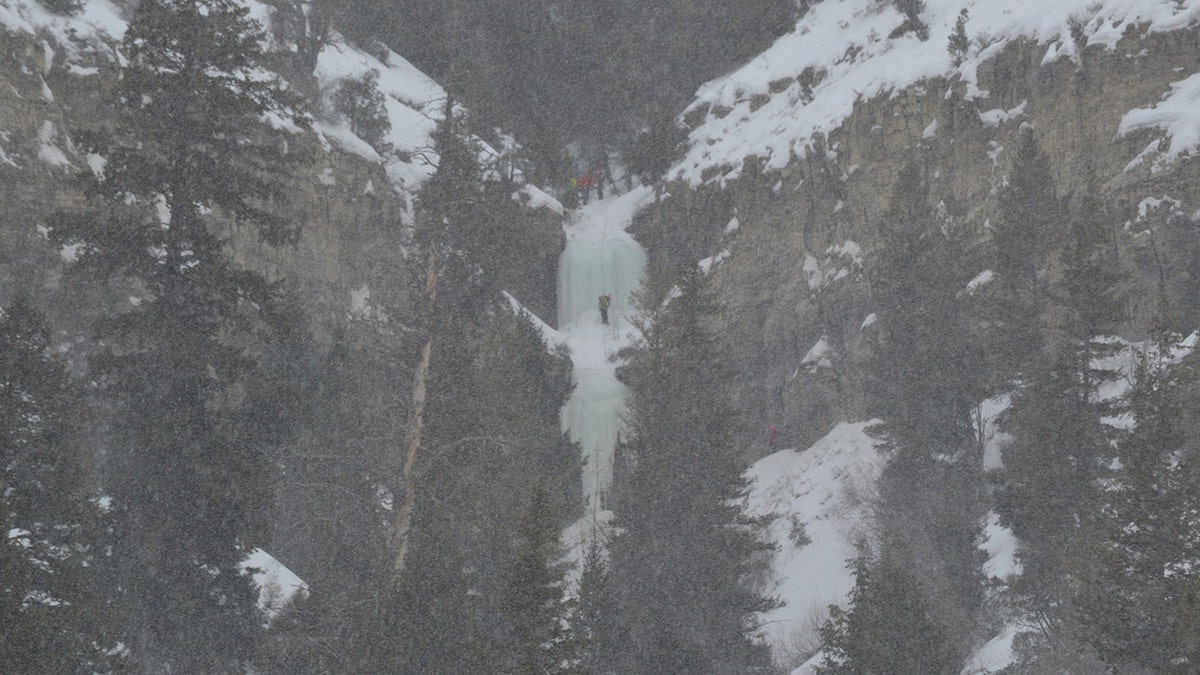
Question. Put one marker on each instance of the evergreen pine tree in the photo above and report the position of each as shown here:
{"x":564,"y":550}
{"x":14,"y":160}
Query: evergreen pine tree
{"x":959,"y":43}
{"x":594,"y":611}
{"x":539,"y":638}
{"x":479,"y":441}
{"x":493,"y":433}
{"x":887,"y":626}
{"x":911,"y":9}
{"x":925,"y":378}
{"x":1048,"y":494}
{"x":54,"y":617}
{"x":681,"y":558}
{"x":1136,"y":602}
{"x":1086,"y":302}
{"x":1050,"y":497}
{"x":1030,"y":217}
{"x":332,"y":523}
{"x":190,"y":155}
{"x":362,"y":104}
{"x":64,"y":7}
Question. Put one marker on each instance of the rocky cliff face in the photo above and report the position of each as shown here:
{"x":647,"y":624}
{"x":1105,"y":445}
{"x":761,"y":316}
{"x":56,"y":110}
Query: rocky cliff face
{"x":351,"y":263}
{"x":796,"y":285}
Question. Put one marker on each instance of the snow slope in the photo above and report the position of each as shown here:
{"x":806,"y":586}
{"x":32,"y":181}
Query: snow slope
{"x":770,"y":109}
{"x":413,"y":102}
{"x":821,"y":491}
{"x":97,"y":21}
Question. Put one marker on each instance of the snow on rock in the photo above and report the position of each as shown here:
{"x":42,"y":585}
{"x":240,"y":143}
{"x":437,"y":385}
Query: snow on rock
{"x":869,"y":321}
{"x":1153,"y":204}
{"x":277,"y":585}
{"x":818,"y":494}
{"x":346,"y":140}
{"x":709,"y":263}
{"x":818,"y":355}
{"x":49,"y":152}
{"x":1177,"y":116}
{"x":841,"y":261}
{"x":97,"y":20}
{"x":5,"y":160}
{"x":848,"y":251}
{"x":995,"y":655}
{"x":981,"y":279}
{"x":536,"y":198}
{"x":994,"y":118}
{"x":360,"y":303}
{"x":70,"y":252}
{"x":731,"y":227}
{"x":810,"y":666}
{"x":550,"y":337}
{"x":812,"y":270}
{"x":807,"y":83}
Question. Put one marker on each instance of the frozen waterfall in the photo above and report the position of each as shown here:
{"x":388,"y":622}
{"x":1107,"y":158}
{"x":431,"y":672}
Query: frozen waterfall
{"x":589,"y":268}
{"x":600,"y":258}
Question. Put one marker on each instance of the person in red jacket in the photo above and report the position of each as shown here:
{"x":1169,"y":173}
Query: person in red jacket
{"x":585,"y":186}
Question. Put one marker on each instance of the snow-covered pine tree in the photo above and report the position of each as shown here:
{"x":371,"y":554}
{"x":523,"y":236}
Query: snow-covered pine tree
{"x":64,"y":7}
{"x":190,"y":155}
{"x":1048,"y":492}
{"x":681,"y":560}
{"x":1135,"y":601}
{"x":959,"y":44}
{"x":594,"y":611}
{"x":912,"y":9}
{"x":359,"y":100}
{"x":924,"y":382}
{"x":1088,"y":307}
{"x":53,"y":614}
{"x":533,"y":601}
{"x":887,"y":626}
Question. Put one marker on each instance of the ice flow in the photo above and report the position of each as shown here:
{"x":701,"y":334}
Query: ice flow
{"x":600,"y":258}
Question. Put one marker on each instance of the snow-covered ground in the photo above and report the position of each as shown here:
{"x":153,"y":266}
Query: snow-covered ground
{"x":413,"y":102}
{"x":822,"y":499}
{"x":277,"y":585}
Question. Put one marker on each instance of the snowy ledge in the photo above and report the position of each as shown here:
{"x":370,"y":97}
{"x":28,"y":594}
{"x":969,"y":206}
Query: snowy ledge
{"x":807,"y":83}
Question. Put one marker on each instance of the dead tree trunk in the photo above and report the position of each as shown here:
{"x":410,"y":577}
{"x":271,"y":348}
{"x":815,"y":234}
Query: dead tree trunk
{"x":416,"y":420}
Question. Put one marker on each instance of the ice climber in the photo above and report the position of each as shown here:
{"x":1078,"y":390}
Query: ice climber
{"x":585,"y":186}
{"x":604,"y":301}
